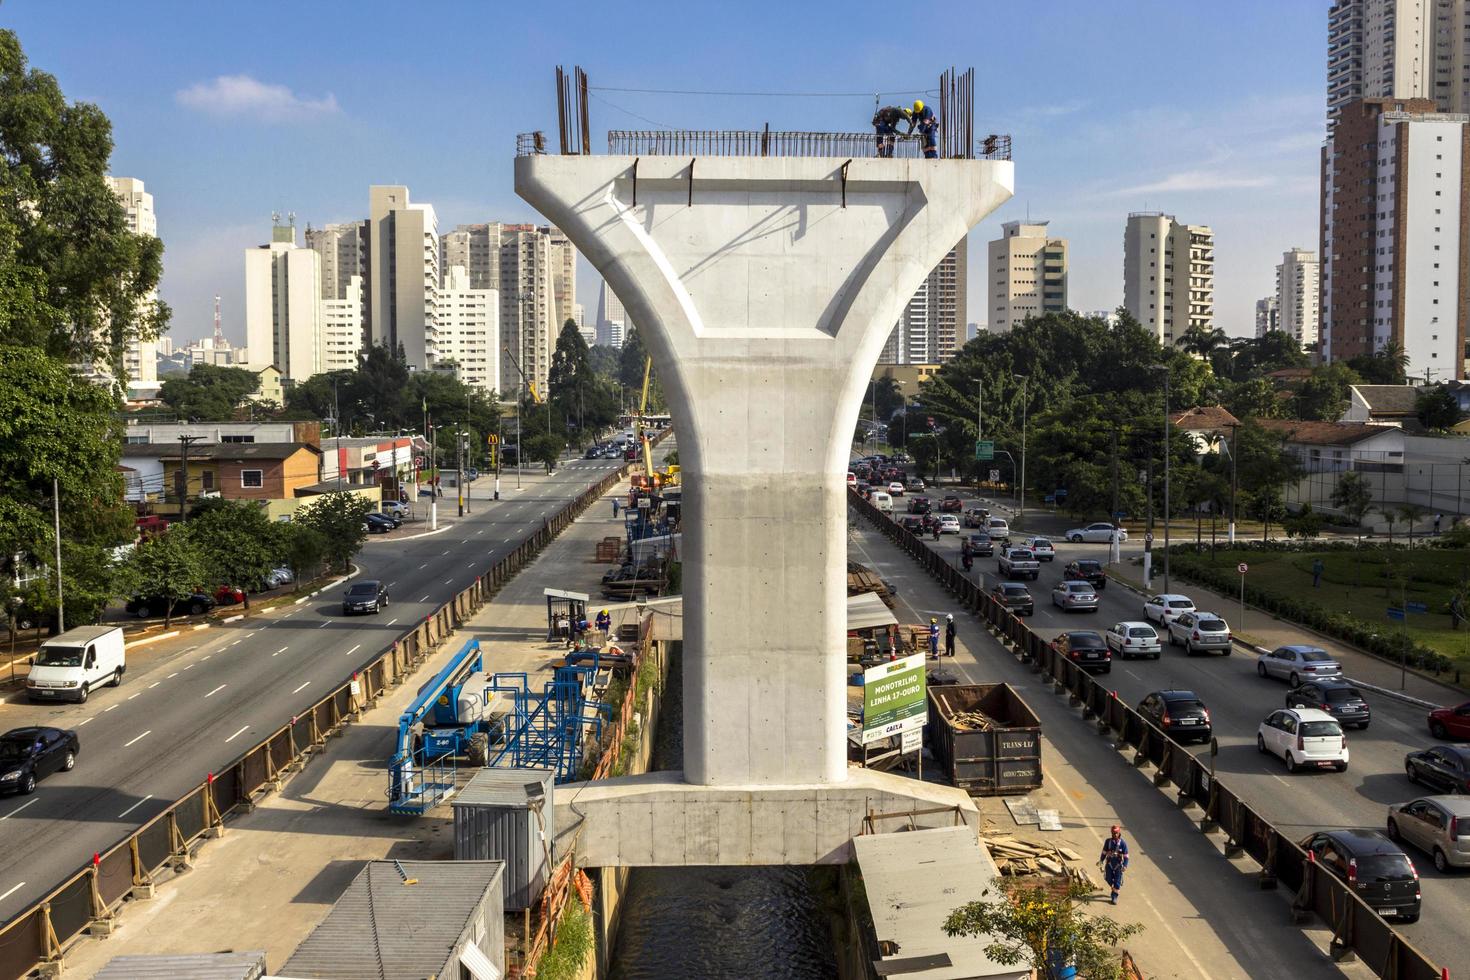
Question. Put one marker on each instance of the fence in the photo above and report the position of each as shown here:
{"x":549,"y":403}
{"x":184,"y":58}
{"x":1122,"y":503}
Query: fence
{"x":1355,"y":927}
{"x":765,"y":143}
{"x":90,"y":898}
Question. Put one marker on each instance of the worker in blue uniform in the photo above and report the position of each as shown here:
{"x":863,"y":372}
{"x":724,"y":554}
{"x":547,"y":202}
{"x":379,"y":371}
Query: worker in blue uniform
{"x":885,"y":124}
{"x":923,"y":120}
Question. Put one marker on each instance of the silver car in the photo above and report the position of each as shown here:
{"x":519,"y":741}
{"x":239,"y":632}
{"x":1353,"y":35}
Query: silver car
{"x":1437,"y":825}
{"x":1196,"y":631}
{"x":1075,"y":596}
{"x":1298,"y":662}
{"x":1101,"y":533}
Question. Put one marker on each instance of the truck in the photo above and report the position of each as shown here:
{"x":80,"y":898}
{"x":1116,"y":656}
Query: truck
{"x":69,"y":666}
{"x":1018,"y":563}
{"x":985,"y":737}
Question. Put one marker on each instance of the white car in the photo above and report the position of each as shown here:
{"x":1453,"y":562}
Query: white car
{"x":1162,"y":608}
{"x":949,"y":524}
{"x":1305,"y":738}
{"x":895,"y":489}
{"x":1131,"y":638}
{"x":997,"y":528}
{"x":1101,"y":533}
{"x":1042,"y":548}
{"x":279,"y":577}
{"x":1199,"y":631}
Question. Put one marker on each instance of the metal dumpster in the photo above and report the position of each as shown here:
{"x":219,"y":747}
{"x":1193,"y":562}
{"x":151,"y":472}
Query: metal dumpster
{"x":1002,"y":759}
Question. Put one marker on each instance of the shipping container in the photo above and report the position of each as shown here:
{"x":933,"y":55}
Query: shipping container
{"x":506,"y":815}
{"x":1002,"y":759}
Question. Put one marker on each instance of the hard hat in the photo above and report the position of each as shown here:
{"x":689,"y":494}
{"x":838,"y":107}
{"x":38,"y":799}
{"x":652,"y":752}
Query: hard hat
{"x":949,"y":615}
{"x":918,"y":105}
{"x":604,"y":612}
{"x":1116,"y":829}
{"x":933,"y":620}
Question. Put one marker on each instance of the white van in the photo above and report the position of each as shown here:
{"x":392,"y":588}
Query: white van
{"x":67,"y":667}
{"x":883,"y":501}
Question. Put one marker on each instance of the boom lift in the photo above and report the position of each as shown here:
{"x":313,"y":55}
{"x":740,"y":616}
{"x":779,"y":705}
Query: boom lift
{"x":449,"y":717}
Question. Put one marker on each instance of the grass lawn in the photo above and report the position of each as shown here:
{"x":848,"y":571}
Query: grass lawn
{"x":1365,"y":583}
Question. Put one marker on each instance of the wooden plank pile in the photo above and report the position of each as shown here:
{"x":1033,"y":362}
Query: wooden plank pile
{"x":609,"y":548}
{"x":1016,"y":858}
{"x":861,"y":578}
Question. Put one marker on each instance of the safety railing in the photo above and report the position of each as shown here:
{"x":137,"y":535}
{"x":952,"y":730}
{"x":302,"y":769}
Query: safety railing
{"x":1355,"y":926}
{"x":765,"y":143}
{"x":93,"y":896}
{"x":530,"y":144}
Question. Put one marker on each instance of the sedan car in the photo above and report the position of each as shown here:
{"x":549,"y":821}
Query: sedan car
{"x":1074,"y":597}
{"x":1304,"y":737}
{"x":911,"y":523}
{"x":997,"y":527}
{"x":396,"y":509}
{"x":1162,"y":608}
{"x":975,"y":517}
{"x":144,"y":606}
{"x":1442,"y":767}
{"x":30,"y":754}
{"x":229,"y":595}
{"x":951,"y":504}
{"x":1015,"y":597}
{"x":1198,"y":631}
{"x":980,"y":545}
{"x":949,"y":524}
{"x":378,"y":524}
{"x":1042,"y":548}
{"x":1101,"y":533}
{"x":1086,"y":649}
{"x":279,"y":577}
{"x":1437,"y":825}
{"x":1373,"y":866}
{"x":1336,"y":697}
{"x":915,"y":485}
{"x":388,"y":519}
{"x":919,"y":505}
{"x":1450,"y":722}
{"x":1179,"y":714}
{"x":1131,"y":639}
{"x":1298,"y":662}
{"x":369,"y":595}
{"x":895,"y":489}
{"x":1087,"y":570}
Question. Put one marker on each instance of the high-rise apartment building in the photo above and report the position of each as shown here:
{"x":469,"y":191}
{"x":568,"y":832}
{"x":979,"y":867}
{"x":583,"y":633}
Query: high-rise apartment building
{"x":1168,"y":274}
{"x":476,"y":249}
{"x":140,"y":357}
{"x":612,"y":319}
{"x":1297,"y":297}
{"x":283,"y":306}
{"x":1398,"y":49}
{"x":1027,"y":274}
{"x":587,"y":330}
{"x":342,"y":328}
{"x":468,"y":331}
{"x":1268,"y":315}
{"x":927,"y":332}
{"x":403,"y":272}
{"x":529,"y":316}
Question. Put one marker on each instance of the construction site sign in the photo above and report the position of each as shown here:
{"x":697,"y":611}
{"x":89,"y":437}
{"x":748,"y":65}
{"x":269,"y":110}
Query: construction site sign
{"x":894,"y":698}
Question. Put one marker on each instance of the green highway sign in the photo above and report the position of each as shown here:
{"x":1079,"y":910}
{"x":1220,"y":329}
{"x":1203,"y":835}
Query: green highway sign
{"x":984,"y":449}
{"x":894,"y":698}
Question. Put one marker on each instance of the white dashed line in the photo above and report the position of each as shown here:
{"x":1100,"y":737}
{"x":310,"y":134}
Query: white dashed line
{"x":392,"y":621}
{"x":237,"y":734}
{"x":16,"y":810}
{"x":424,"y":565}
{"x":135,"y":806}
{"x":205,"y":657}
{"x":280,"y":651}
{"x":189,"y":667}
{"x":424,"y":599}
{"x":470,"y":565}
{"x":298,"y":690}
{"x":85,"y":721}
{"x":325,"y":624}
{"x":449,"y":581}
{"x":446,"y":551}
{"x":154,"y":684}
{"x":131,"y":696}
{"x":391,"y":584}
{"x":216,"y":690}
{"x":12,"y":891}
{"x":139,"y":738}
{"x":354,"y":650}
{"x":172,"y":676}
{"x":109,"y":707}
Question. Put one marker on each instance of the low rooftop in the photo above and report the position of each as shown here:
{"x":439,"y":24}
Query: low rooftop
{"x":1325,"y":433}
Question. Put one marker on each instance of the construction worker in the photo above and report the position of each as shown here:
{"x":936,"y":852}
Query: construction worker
{"x":885,"y":124}
{"x":933,"y":638}
{"x":922,"y":118}
{"x":949,"y":635}
{"x":1114,"y":860}
{"x":604,"y":621}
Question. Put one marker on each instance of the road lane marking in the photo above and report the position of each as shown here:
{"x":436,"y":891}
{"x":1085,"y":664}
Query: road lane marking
{"x":479,"y":532}
{"x":354,"y":650}
{"x":325,"y":624}
{"x":280,"y":651}
{"x":424,"y":599}
{"x":470,"y":565}
{"x":189,"y":667}
{"x":446,"y":551}
{"x":131,"y":696}
{"x":172,"y":676}
{"x":391,"y":584}
{"x":216,"y":690}
{"x":16,"y":810}
{"x":86,"y":721}
{"x":237,"y":734}
{"x":237,"y":642}
{"x":300,"y":688}
{"x":135,"y":806}
{"x":392,"y":621}
{"x":449,"y":581}
{"x":139,"y":738}
{"x":12,"y":891}
{"x":205,"y":657}
{"x":424,"y":565}
{"x":154,"y":684}
{"x":109,"y":707}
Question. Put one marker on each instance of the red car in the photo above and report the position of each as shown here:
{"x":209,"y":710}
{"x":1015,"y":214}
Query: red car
{"x":1450,"y":723}
{"x":951,"y":505}
{"x":229,"y":595}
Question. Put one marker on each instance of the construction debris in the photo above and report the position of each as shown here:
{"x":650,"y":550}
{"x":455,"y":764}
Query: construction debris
{"x":861,"y":578}
{"x":1016,"y":858}
{"x":972,"y":721}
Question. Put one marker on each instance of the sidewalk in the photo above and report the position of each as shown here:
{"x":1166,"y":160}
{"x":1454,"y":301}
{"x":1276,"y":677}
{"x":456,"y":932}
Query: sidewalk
{"x":276,"y":871}
{"x":1203,"y":916}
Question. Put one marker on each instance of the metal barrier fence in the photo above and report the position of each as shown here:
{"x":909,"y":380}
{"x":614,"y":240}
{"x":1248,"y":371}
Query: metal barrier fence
{"x":1356,"y":928}
{"x":92,"y":897}
{"x":765,"y":143}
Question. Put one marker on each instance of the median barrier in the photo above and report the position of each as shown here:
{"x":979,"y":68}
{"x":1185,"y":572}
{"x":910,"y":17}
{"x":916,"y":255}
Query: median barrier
{"x":88,"y":900}
{"x":1356,"y":928}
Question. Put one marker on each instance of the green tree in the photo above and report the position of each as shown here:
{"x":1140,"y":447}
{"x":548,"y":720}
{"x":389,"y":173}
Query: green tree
{"x":169,"y":566}
{"x":305,"y":549}
{"x":209,"y":393}
{"x":545,"y":448}
{"x":1324,"y":396}
{"x":1354,"y":498}
{"x":1437,"y":408}
{"x":1038,"y":927}
{"x":241,"y":545}
{"x":339,"y":519}
{"x":1411,"y":514}
{"x":1305,"y":523}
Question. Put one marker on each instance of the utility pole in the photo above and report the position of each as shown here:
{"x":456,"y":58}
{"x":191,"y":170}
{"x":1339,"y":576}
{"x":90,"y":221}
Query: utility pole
{"x":433,"y":478}
{"x":185,"y":442}
{"x":56,"y":518}
{"x":1021,"y":499}
{"x":459,"y":468}
{"x":1234,"y":437}
{"x":1166,"y":478}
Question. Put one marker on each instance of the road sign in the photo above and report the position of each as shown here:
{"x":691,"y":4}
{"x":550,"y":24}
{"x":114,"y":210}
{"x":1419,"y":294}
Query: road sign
{"x":1395,"y":613}
{"x":1416,"y":607}
{"x":1118,"y":515}
{"x":894,"y":698}
{"x":984,"y":450}
{"x":995,"y":476}
{"x":1242,"y":568}
{"x":1060,"y":493}
{"x":911,"y":741}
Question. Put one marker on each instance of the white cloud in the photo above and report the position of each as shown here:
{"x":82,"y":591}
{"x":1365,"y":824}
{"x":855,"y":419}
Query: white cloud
{"x":1189,"y":181}
{"x":241,"y":95}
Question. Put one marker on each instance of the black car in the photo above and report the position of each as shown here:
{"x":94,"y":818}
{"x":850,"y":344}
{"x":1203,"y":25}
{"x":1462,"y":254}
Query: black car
{"x":593,"y":452}
{"x":29,"y":754}
{"x":911,"y":523}
{"x":378,"y":523}
{"x":1178,"y":714}
{"x":1373,"y":866}
{"x":1015,"y":597}
{"x":392,"y":520}
{"x":144,"y":606}
{"x":1445,"y":767}
{"x":1085,"y":648}
{"x":1087,"y":570}
{"x":1336,"y":697}
{"x":919,"y":505}
{"x":369,"y":595}
{"x":980,"y":545}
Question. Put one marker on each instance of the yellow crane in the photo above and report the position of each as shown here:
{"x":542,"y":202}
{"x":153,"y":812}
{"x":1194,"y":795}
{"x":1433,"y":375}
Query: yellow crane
{"x":638,"y":432}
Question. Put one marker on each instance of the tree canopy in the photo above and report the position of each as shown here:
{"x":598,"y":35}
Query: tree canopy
{"x":209,"y":393}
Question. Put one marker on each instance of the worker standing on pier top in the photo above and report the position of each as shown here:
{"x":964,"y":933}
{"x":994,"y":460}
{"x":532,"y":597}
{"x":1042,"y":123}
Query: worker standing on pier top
{"x":923,"y":120}
{"x":885,"y":124}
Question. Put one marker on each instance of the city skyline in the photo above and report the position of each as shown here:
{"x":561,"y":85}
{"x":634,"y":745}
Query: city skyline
{"x":292,"y":122}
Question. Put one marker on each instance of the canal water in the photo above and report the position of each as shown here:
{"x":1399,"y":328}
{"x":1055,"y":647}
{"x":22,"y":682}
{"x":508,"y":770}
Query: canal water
{"x":721,"y":923}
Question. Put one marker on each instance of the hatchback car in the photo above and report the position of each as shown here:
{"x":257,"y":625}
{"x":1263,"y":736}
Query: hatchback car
{"x":911,"y":523}
{"x":1373,"y":866}
{"x":915,"y":485}
{"x":1179,"y":714}
{"x":1298,"y":662}
{"x":980,"y":545}
{"x":951,"y":504}
{"x":1437,"y":825}
{"x":1162,"y":608}
{"x":1015,"y":597}
{"x":1087,"y":570}
{"x":949,"y":524}
{"x":1101,"y":533}
{"x":1042,"y":548}
{"x":1086,"y":649}
{"x":1197,"y":631}
{"x":1450,"y":722}
{"x":895,"y":489}
{"x":388,"y":519}
{"x":378,"y":524}
{"x":1131,"y":639}
{"x":1074,"y":597}
{"x":369,"y":595}
{"x":30,"y":754}
{"x":396,"y":509}
{"x":1304,"y":738}
{"x":1442,"y":767}
{"x":144,"y":606}
{"x":1336,"y":697}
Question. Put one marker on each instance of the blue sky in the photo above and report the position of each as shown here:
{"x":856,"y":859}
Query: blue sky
{"x":229,"y":111}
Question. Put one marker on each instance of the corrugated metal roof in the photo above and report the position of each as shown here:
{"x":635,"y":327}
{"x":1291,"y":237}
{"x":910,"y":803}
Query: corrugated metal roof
{"x":505,"y":787}
{"x":866,"y":610}
{"x":193,"y":966}
{"x":384,"y":929}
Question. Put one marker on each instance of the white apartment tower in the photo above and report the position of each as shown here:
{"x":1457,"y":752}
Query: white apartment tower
{"x":283,"y":306}
{"x":529,"y":319}
{"x":468,"y":330}
{"x":342,"y":328}
{"x":403,"y":272}
{"x":140,"y":357}
{"x":1398,"y":49}
{"x":1297,"y":290}
{"x":612,"y":319}
{"x":1268,"y":316}
{"x":1168,"y":274}
{"x":928,"y":331}
{"x":1027,"y":274}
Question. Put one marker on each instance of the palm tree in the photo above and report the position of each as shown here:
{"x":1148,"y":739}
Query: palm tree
{"x":1393,"y":352}
{"x":1390,"y":514}
{"x":1202,"y":341}
{"x":1411,"y":514}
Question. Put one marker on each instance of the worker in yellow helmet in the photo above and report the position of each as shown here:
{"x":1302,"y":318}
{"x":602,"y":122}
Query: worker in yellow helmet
{"x":922,"y":119}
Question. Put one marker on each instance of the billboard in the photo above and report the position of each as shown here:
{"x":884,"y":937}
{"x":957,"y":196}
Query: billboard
{"x":894,"y":699}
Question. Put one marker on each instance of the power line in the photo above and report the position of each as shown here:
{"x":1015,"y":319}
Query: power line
{"x":629,"y":112}
{"x":765,"y":95}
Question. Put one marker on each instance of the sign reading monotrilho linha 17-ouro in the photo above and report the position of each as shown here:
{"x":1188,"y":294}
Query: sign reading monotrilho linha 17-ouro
{"x":894,"y":698}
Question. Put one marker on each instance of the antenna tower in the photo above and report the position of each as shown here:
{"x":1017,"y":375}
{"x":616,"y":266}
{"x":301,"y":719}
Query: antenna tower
{"x":219,"y":333}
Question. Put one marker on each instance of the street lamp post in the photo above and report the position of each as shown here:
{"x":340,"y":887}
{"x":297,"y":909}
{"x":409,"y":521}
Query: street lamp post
{"x":1021,"y":496}
{"x":1234,"y":436}
{"x":1165,"y":369}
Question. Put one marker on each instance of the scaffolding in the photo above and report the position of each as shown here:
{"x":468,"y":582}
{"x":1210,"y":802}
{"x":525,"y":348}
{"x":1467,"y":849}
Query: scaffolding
{"x":545,"y":729}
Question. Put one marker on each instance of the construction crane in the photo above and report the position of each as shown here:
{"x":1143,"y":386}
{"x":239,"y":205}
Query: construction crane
{"x":638,"y":432}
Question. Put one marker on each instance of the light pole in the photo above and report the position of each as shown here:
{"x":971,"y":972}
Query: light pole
{"x":1165,"y":369}
{"x":1234,"y":435}
{"x":1021,"y":498}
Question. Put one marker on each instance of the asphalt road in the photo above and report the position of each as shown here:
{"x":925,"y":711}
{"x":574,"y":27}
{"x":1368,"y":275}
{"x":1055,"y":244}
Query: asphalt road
{"x":1238,"y":700}
{"x":193,"y":709}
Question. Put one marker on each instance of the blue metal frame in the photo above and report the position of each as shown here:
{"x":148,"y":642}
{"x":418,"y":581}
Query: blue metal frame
{"x":544,"y":729}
